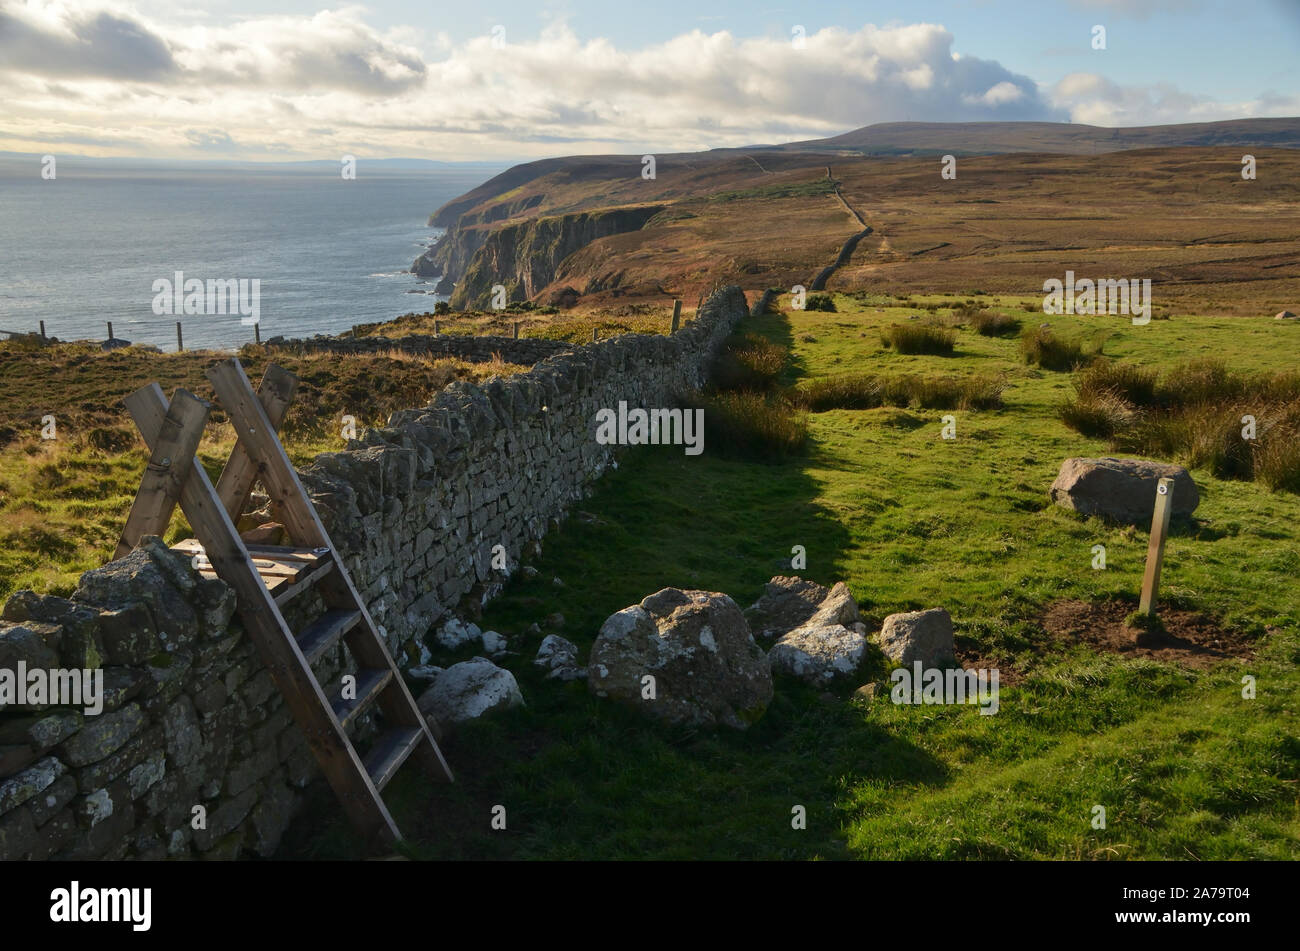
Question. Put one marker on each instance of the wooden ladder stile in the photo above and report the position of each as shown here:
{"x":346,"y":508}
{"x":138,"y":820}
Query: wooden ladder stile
{"x":266,"y":576}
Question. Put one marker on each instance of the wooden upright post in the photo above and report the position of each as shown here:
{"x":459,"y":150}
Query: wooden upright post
{"x":43,"y":330}
{"x":437,"y":327}
{"x":110,"y":329}
{"x":257,"y":332}
{"x":516,"y":330}
{"x":595,"y":334}
{"x":677,"y":315}
{"x":1156,"y":547}
{"x":180,"y":341}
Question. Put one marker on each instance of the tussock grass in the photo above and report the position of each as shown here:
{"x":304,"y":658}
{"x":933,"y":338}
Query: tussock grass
{"x":1194,"y":413}
{"x":1040,"y":346}
{"x":752,"y":425}
{"x":867,"y":391}
{"x":749,"y":362}
{"x":918,"y":338}
{"x":990,"y":323}
{"x":823,"y":302}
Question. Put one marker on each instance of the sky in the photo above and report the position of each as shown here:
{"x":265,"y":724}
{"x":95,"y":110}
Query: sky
{"x":282,"y":80}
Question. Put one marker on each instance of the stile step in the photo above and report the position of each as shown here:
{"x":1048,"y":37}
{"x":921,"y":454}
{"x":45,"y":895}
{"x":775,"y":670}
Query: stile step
{"x":323,"y":633}
{"x":287,"y":591}
{"x":390,"y":752}
{"x":369,"y":685}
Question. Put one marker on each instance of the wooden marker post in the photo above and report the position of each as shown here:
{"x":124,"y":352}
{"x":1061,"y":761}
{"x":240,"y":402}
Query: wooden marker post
{"x":180,"y":341}
{"x":110,"y":329}
{"x":43,"y":337}
{"x":437,"y":327}
{"x":1156,"y":547}
{"x":257,"y":332}
{"x":595,"y":332}
{"x":677,"y":315}
{"x":516,"y":330}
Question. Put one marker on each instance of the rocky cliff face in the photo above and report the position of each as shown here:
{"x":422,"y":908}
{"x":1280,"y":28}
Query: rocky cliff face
{"x":525,"y":257}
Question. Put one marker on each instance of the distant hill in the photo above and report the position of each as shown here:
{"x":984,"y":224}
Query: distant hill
{"x":777,"y":215}
{"x":994,"y":138}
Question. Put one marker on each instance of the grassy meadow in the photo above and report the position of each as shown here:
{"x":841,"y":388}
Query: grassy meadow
{"x":65,"y":491}
{"x":1185,"y":767}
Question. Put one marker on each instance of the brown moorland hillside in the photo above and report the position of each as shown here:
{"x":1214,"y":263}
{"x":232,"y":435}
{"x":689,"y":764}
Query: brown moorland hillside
{"x":1210,"y":241}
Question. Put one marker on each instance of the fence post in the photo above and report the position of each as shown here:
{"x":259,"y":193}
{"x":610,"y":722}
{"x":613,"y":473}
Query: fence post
{"x":1156,"y":547}
{"x":110,"y":329}
{"x":595,"y":334}
{"x":677,"y":315}
{"x":437,"y":327}
{"x":516,"y":330}
{"x":180,"y":342}
{"x":257,"y":332}
{"x":43,"y":337}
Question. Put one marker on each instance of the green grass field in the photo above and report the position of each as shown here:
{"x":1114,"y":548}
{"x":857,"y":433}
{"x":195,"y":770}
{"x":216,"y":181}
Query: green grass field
{"x":1185,"y":767}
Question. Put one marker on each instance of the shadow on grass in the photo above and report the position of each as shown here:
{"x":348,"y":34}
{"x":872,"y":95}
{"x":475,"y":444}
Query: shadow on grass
{"x":585,"y":778}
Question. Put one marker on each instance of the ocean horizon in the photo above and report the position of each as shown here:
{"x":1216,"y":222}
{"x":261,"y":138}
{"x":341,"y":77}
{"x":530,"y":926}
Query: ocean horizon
{"x":88,"y":246}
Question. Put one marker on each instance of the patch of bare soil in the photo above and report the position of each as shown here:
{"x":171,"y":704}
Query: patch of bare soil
{"x":1189,"y":637}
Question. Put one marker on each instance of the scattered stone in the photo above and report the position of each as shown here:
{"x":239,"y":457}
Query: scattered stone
{"x":1123,"y":490}
{"x":560,"y":658}
{"x":786,"y":604}
{"x":425,"y":672}
{"x":869,"y":691}
{"x":468,"y":690}
{"x":919,"y":635}
{"x":821,"y":636}
{"x":457,"y":633}
{"x":819,"y":653}
{"x":707,"y":669}
{"x":557,"y":582}
{"x":533,"y":629}
{"x":493,"y":642}
{"x":268,"y":533}
{"x":529,"y":571}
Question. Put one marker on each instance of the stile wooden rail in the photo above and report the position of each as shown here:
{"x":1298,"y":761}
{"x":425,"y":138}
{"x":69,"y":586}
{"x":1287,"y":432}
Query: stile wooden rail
{"x":265,"y":577}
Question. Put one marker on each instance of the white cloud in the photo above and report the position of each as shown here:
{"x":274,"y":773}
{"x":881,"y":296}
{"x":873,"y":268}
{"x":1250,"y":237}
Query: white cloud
{"x":313,"y":86}
{"x":1095,"y":100}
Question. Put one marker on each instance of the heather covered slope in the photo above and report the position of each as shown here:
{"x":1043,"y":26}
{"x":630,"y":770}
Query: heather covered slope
{"x":1210,"y":241}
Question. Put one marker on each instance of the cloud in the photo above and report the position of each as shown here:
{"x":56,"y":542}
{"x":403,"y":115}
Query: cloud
{"x":103,"y":45}
{"x":1095,"y":100}
{"x":327,"y":83}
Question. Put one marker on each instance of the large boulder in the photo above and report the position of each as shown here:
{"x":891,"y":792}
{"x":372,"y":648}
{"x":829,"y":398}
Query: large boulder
{"x":470,"y":689}
{"x":821,"y":636}
{"x":788,"y":603}
{"x":707,"y":669}
{"x":1123,"y":490}
{"x":819,"y":653}
{"x":919,"y":635}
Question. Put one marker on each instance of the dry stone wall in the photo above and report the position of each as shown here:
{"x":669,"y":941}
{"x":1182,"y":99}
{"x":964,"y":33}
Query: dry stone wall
{"x":525,"y":350}
{"x":194,"y":753}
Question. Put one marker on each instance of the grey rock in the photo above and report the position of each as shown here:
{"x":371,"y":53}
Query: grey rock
{"x":919,"y":635}
{"x":707,"y":669}
{"x":1121,"y":489}
{"x":457,"y":633}
{"x":470,"y":689}
{"x":818,"y":653}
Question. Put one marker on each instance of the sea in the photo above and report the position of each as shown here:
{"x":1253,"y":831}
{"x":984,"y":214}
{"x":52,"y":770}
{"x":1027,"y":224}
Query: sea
{"x":87,"y":246}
